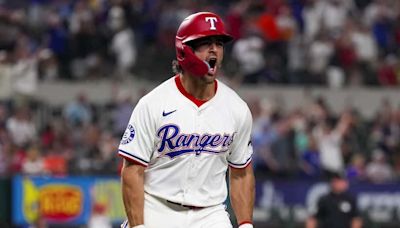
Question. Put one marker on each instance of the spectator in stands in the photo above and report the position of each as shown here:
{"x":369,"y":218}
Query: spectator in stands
{"x":312,"y":15}
{"x":105,"y":161}
{"x":248,"y":52}
{"x":55,"y":162}
{"x":17,"y":157}
{"x":310,"y":164}
{"x":23,"y":71}
{"x":356,"y":169}
{"x":318,"y":111}
{"x":21,"y":127}
{"x":271,"y":141}
{"x":379,"y":170}
{"x":33,"y":163}
{"x":85,"y":41}
{"x":264,"y":134}
{"x":123,"y":44}
{"x":57,"y":44}
{"x":86,"y":151}
{"x":121,"y":112}
{"x":5,"y":79}
{"x":297,"y":61}
{"x":48,"y":65}
{"x":79,"y":111}
{"x":345,"y":53}
{"x":235,"y":18}
{"x":47,"y":136}
{"x":364,"y":44}
{"x":387,"y":75}
{"x":301,"y":130}
{"x":335,"y":13}
{"x":286,"y":23}
{"x":366,"y":51}
{"x":320,"y":53}
{"x":381,"y":30}
{"x":329,"y":137}
{"x":385,"y":133}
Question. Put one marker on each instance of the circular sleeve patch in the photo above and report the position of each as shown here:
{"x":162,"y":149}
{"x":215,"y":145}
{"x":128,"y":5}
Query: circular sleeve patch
{"x":129,"y":134}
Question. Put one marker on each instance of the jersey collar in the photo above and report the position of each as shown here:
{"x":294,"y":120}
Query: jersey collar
{"x":196,"y":101}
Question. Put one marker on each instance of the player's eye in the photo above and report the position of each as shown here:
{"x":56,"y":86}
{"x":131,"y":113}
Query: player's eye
{"x":208,"y":42}
{"x":205,"y":43}
{"x":219,"y":43}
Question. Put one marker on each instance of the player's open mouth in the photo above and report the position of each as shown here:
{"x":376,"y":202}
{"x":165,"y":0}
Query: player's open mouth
{"x":212,"y":62}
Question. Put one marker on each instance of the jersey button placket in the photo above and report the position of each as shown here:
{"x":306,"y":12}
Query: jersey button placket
{"x":192,"y":164}
{"x":199,"y":129}
{"x":190,"y":174}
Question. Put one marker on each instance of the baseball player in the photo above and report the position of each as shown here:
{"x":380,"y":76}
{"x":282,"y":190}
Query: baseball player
{"x":184,"y":135}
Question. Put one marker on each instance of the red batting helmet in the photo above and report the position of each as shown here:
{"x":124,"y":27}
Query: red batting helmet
{"x":194,"y":27}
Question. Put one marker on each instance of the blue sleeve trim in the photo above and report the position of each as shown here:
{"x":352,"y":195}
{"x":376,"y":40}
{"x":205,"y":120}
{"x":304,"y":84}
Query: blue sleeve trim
{"x":241,"y":165}
{"x":129,"y":155}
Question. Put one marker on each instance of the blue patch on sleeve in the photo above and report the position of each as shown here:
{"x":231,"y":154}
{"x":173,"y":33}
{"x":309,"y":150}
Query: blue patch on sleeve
{"x":129,"y":134}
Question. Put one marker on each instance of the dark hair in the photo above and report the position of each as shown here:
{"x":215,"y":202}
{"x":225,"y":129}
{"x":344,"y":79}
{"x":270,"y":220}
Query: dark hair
{"x":337,"y":175}
{"x":176,"y":68}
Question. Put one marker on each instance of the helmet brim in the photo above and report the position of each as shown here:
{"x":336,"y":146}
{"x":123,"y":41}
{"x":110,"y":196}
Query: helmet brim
{"x":226,"y":38}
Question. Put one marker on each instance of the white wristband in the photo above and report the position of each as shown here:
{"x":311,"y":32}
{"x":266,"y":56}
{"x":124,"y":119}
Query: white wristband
{"x":246,"y":225}
{"x":138,"y":226}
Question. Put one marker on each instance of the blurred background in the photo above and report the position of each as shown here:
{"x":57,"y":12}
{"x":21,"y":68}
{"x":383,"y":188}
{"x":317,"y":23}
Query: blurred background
{"x":321,"y":78}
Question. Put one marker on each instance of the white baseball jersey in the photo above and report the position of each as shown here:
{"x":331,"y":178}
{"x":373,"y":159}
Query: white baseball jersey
{"x":187,"y":148}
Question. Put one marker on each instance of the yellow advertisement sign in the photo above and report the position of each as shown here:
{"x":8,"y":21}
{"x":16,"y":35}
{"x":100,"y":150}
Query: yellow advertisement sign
{"x":60,"y":202}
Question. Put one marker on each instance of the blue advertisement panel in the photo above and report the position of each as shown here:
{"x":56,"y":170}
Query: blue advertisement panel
{"x":67,"y":200}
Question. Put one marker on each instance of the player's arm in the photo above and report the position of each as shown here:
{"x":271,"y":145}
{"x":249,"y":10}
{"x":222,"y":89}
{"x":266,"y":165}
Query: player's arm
{"x":132,"y":179}
{"x":356,"y":222}
{"x":311,"y":222}
{"x":344,"y":124}
{"x":242,"y":193}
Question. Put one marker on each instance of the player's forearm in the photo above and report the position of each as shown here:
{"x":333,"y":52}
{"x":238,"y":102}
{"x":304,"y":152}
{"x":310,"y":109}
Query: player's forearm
{"x":133,"y":192}
{"x":311,"y":222}
{"x":242,"y":193}
{"x":356,"y":222}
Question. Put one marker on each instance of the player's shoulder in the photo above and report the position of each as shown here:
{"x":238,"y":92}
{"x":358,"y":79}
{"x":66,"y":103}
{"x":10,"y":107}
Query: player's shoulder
{"x":231,"y":96}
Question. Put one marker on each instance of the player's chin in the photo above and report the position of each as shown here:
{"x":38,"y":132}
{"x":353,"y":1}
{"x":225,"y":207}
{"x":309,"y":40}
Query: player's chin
{"x":209,"y":78}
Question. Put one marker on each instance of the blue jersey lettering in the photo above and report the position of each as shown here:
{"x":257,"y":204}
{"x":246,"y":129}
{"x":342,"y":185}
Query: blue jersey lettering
{"x":173,"y":143}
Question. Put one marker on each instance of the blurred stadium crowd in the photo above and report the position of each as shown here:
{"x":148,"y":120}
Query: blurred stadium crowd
{"x":332,"y":43}
{"x":313,"y":142}
{"x":328,"y":42}
{"x":310,"y":142}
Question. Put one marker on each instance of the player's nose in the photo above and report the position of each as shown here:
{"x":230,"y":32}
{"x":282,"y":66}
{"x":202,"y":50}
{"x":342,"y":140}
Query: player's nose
{"x":213,"y":46}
